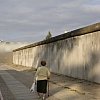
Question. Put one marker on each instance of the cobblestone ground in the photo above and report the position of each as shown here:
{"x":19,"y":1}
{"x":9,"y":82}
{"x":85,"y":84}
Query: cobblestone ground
{"x":61,"y":87}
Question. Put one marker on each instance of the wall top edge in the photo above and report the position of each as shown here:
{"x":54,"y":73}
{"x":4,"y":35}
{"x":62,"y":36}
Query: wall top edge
{"x":81,"y":31}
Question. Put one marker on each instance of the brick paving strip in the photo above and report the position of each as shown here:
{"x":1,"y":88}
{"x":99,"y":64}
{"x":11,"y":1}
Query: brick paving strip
{"x":20,"y":91}
{"x":1,"y":97}
{"x":6,"y":93}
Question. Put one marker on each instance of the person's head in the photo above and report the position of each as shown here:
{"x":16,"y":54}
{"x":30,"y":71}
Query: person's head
{"x":43,"y":63}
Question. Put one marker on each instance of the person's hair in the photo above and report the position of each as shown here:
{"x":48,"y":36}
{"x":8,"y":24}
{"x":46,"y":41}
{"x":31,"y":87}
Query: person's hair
{"x":43,"y":63}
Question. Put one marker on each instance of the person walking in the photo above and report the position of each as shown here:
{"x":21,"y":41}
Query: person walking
{"x":42,"y":75}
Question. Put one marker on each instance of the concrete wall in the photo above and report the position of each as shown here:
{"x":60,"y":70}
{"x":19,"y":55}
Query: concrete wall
{"x":76,"y":54}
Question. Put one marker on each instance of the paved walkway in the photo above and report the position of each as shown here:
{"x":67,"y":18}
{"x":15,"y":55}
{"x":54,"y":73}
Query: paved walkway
{"x":19,"y":90}
{"x":18,"y":81}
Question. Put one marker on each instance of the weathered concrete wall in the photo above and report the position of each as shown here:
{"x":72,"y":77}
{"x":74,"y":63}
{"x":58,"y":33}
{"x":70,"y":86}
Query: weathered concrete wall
{"x":77,"y":55}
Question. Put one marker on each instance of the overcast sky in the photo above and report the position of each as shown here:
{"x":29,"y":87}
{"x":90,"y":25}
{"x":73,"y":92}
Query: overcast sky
{"x":30,"y":20}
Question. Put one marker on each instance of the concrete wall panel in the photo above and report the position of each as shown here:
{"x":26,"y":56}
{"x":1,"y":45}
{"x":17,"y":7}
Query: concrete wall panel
{"x":78,"y":56}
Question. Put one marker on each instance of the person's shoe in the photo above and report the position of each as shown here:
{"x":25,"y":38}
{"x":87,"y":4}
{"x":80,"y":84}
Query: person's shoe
{"x":43,"y":98}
